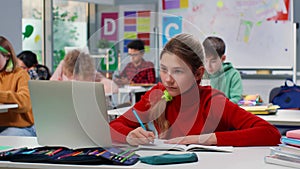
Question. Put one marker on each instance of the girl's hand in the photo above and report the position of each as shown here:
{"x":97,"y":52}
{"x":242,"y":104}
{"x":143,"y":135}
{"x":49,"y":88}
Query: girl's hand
{"x":140,"y":136}
{"x":204,"y":139}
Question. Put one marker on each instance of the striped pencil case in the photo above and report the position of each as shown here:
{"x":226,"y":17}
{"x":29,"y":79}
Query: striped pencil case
{"x":63,"y":155}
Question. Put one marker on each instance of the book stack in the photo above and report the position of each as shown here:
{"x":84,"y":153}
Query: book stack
{"x":263,"y":109}
{"x":287,"y":153}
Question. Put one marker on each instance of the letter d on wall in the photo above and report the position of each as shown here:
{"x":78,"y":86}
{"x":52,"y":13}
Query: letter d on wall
{"x":171,"y":27}
{"x":109,"y":26}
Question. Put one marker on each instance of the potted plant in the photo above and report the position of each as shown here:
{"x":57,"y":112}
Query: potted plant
{"x":103,"y":46}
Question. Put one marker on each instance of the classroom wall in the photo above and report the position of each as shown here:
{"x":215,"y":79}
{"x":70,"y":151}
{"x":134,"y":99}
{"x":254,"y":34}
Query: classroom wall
{"x":11,"y":22}
{"x":12,"y":28}
{"x":261,"y":87}
{"x":123,"y":34}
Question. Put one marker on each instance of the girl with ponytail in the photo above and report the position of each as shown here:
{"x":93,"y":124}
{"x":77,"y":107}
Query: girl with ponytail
{"x":181,"y":111}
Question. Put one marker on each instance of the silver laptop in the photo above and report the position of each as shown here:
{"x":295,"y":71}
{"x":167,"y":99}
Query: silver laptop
{"x":70,"y":113}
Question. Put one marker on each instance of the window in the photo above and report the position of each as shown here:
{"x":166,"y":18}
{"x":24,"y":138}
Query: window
{"x":32,"y":26}
{"x":69,"y":27}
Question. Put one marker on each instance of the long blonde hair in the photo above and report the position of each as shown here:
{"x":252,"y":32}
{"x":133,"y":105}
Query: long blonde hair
{"x":188,"y":49}
{"x":79,"y":65}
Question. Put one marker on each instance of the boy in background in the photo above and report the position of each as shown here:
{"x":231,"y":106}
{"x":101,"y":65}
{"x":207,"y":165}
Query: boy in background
{"x":138,"y":71}
{"x":223,"y":76}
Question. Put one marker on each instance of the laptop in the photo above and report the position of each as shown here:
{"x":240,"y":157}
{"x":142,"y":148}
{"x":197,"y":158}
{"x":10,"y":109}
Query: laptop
{"x":70,"y":113}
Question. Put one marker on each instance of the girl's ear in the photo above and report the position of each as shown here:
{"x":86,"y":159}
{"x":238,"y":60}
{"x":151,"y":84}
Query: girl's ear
{"x":199,"y":73}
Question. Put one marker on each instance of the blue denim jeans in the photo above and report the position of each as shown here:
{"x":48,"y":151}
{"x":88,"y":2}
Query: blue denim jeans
{"x":17,"y":131}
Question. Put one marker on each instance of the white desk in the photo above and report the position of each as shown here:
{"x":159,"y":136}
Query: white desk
{"x":131,"y":90}
{"x":117,"y":112}
{"x":5,"y":107}
{"x":241,"y":158}
{"x":284,"y":117}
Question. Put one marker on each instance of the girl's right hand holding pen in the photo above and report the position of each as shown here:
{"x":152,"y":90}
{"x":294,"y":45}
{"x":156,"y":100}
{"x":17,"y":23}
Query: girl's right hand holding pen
{"x":140,"y":136}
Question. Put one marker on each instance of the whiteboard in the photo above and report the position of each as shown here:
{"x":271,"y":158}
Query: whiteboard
{"x":270,"y":46}
{"x":252,"y":41}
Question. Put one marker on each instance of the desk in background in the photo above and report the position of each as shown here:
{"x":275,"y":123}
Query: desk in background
{"x":117,"y":112}
{"x":242,"y":157}
{"x":133,"y":93}
{"x":284,"y":117}
{"x":284,"y":120}
{"x":5,"y":107}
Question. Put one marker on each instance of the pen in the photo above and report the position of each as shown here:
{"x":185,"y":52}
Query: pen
{"x":15,"y":151}
{"x":93,"y":152}
{"x":76,"y":153}
{"x":51,"y":153}
{"x":70,"y":154}
{"x":151,"y":127}
{"x":138,"y":118}
{"x":29,"y":152}
{"x":127,"y":157}
{"x":119,"y":156}
{"x":99,"y":154}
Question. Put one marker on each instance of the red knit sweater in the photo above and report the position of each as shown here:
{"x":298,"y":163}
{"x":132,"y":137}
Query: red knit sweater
{"x":198,"y":111}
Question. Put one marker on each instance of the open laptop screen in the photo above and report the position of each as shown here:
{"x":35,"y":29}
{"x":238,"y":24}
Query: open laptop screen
{"x":70,"y":113}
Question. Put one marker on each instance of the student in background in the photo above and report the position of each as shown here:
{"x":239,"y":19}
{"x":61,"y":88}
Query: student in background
{"x":79,"y":65}
{"x":138,"y":70}
{"x":222,"y":75}
{"x":14,"y":89}
{"x":184,"y":112}
{"x":28,"y":61}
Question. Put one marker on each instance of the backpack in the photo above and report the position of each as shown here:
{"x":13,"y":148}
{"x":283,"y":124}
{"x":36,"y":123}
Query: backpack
{"x":288,"y":97}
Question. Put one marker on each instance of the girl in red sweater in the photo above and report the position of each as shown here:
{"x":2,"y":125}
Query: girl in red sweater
{"x":184,"y":112}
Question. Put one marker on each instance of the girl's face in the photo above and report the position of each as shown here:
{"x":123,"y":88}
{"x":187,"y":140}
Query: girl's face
{"x":175,"y":74}
{"x":68,"y":75}
{"x":3,"y":61}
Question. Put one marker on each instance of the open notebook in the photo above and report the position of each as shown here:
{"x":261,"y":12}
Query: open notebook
{"x":160,"y":145}
{"x":70,"y":113}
